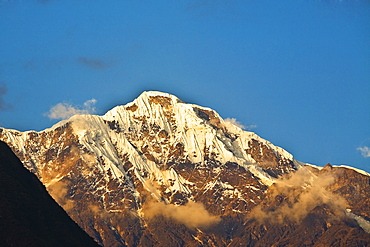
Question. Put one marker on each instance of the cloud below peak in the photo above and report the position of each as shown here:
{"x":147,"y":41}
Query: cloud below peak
{"x":66,"y":110}
{"x":192,"y":214}
{"x":302,"y":191}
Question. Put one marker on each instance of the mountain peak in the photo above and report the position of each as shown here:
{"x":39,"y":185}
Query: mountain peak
{"x":157,"y":94}
{"x":157,"y":97}
{"x":156,"y":156}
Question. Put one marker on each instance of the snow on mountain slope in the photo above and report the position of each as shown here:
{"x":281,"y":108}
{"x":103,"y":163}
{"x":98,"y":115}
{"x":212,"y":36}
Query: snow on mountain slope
{"x":198,"y":130}
{"x":110,"y":168}
{"x":157,"y":122}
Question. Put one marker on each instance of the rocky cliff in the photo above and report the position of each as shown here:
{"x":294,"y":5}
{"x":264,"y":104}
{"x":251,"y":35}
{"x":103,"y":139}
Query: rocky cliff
{"x":161,"y":172}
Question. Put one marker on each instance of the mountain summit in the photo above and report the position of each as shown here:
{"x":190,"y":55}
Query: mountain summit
{"x":161,"y":172}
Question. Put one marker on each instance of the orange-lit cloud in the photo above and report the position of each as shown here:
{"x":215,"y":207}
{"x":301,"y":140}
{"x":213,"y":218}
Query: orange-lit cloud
{"x":302,"y":192}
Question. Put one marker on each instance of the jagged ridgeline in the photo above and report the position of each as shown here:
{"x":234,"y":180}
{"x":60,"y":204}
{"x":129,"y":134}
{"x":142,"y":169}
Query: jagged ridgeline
{"x":161,"y":172}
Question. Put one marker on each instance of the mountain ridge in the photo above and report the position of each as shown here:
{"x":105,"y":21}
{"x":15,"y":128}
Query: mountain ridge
{"x":153,"y":160}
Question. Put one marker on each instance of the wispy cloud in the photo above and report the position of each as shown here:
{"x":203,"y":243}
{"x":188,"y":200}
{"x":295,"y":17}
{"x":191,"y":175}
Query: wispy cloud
{"x":3,"y":105}
{"x":239,"y":124}
{"x":250,"y":127}
{"x":365,"y":151}
{"x":66,"y":110}
{"x":95,"y":63}
{"x":234,"y":122}
{"x":302,"y":192}
{"x":192,"y":214}
{"x":59,"y":191}
{"x":3,"y":91}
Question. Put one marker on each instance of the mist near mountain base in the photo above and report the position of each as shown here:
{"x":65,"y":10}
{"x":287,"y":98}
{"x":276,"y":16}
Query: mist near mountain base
{"x":300,"y":193}
{"x":59,"y":192}
{"x":192,"y":214}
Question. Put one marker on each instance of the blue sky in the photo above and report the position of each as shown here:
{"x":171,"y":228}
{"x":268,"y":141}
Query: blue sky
{"x":298,"y":72}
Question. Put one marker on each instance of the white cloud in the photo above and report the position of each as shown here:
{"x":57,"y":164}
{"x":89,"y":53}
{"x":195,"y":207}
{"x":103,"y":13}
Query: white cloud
{"x":250,"y":127}
{"x":365,"y":151}
{"x":240,"y":125}
{"x":235,"y":122}
{"x":66,"y":110}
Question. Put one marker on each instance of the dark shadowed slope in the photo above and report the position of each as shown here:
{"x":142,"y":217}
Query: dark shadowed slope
{"x":28,"y":215}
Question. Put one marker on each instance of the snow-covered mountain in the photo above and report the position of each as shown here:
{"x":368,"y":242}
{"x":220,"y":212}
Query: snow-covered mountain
{"x":158,"y":171}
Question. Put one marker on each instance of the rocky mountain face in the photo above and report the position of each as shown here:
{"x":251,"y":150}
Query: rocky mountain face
{"x":28,"y":214}
{"x":160,"y":172}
